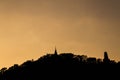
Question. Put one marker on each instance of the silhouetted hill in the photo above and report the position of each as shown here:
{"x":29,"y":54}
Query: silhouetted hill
{"x":60,"y":66}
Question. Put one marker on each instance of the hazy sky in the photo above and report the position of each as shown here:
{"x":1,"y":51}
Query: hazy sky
{"x":32,"y":28}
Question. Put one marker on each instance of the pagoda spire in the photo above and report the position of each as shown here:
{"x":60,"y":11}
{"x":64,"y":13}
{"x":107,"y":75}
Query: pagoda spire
{"x":55,"y":51}
{"x":106,"y":58}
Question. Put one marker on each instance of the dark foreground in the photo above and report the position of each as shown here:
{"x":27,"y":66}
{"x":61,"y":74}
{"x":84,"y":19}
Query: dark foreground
{"x":63,"y":66}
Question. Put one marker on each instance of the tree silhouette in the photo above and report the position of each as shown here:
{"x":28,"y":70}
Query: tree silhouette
{"x":54,"y":64}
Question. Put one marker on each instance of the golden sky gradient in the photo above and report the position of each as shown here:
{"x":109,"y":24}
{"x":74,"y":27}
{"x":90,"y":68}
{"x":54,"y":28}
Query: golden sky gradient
{"x":32,"y":28}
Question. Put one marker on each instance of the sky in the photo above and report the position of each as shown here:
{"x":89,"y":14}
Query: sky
{"x":32,"y":28}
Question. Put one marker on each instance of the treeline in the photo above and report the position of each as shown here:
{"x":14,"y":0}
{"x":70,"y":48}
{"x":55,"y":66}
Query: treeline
{"x":45,"y":65}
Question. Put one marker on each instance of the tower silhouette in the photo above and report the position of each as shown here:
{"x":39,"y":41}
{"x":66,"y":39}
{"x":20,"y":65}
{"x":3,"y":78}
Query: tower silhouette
{"x":106,"y":58}
{"x":55,"y":53}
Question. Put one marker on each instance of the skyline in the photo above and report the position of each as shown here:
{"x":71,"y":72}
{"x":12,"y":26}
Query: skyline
{"x":30,"y":29}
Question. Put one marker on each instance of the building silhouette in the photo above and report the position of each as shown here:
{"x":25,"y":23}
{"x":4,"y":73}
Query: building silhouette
{"x":106,"y":58}
{"x":55,"y":52}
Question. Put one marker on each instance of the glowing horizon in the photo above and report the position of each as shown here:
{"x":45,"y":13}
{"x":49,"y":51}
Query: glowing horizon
{"x":32,"y":28}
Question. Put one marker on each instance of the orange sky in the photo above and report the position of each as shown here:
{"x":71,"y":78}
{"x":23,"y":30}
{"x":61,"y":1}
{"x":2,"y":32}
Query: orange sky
{"x":32,"y":28}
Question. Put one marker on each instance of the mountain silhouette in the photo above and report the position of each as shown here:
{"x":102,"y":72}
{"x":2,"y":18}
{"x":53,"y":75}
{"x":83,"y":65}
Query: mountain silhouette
{"x":60,"y":66}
